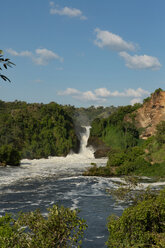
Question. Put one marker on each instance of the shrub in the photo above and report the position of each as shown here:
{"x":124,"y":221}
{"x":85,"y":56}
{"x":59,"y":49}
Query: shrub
{"x":62,"y":228}
{"x":116,"y":158}
{"x":9,"y":155}
{"x":130,"y":167}
{"x":139,"y":226}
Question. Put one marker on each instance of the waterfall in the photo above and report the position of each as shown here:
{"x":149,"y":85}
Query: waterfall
{"x":84,"y":150}
{"x":73,"y":164}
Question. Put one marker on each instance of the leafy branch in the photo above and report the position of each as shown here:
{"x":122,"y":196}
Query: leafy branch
{"x":5,"y":64}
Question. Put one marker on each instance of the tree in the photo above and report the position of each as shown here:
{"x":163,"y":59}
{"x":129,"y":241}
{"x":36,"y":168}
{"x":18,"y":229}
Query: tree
{"x":5,"y":63}
{"x":141,"y":225}
{"x":62,"y":228}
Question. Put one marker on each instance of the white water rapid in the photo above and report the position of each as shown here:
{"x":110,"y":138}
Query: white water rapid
{"x":73,"y":164}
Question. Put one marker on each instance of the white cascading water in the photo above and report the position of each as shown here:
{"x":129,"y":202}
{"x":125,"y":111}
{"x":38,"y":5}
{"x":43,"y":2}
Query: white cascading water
{"x":73,"y":164}
{"x":85,"y":152}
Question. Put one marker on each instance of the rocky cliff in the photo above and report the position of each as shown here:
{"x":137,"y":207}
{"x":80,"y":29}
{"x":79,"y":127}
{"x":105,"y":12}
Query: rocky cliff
{"x":150,"y":114}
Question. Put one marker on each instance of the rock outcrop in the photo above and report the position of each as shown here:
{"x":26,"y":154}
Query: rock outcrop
{"x":101,"y":150}
{"x":150,"y":114}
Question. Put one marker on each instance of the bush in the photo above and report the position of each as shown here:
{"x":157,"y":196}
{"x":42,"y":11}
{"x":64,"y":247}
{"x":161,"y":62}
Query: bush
{"x":9,"y":155}
{"x":133,"y":167}
{"x":62,"y":228}
{"x":116,"y":158}
{"x":139,"y":226}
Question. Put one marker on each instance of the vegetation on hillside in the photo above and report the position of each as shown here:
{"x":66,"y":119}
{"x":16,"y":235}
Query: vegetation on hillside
{"x":129,"y":155}
{"x":37,"y":130}
{"x":42,"y":130}
{"x":114,"y":131}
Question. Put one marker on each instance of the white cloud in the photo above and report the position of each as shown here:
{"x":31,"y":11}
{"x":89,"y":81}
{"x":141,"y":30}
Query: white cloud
{"x":21,"y":54}
{"x":102,"y":94}
{"x":69,"y":91}
{"x":66,"y":11}
{"x":135,"y":100}
{"x":114,"y":42}
{"x":136,"y":93}
{"x":140,"y":62}
{"x":90,"y":96}
{"x":42,"y":56}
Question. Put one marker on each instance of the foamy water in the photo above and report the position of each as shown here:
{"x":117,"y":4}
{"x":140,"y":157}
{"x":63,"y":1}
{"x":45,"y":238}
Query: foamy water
{"x":73,"y":164}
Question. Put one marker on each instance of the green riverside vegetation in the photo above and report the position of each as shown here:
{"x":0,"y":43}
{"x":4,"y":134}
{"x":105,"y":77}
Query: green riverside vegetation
{"x":128,"y":154}
{"x":141,"y":225}
{"x":35,"y":131}
{"x":62,"y":228}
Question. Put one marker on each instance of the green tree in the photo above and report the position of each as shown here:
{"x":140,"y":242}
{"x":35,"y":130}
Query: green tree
{"x":141,"y":225}
{"x":9,"y":155}
{"x":62,"y":228}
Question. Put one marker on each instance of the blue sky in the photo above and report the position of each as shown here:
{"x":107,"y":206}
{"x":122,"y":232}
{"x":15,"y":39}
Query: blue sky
{"x":90,"y":52}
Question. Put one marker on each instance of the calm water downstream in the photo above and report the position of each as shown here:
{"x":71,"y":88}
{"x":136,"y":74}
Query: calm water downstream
{"x":42,"y":183}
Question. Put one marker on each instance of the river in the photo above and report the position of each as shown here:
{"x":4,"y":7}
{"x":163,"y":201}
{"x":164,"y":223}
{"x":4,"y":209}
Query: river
{"x":58,"y":180}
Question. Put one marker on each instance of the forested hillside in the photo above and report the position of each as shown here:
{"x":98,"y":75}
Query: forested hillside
{"x":128,"y":153}
{"x":37,"y":130}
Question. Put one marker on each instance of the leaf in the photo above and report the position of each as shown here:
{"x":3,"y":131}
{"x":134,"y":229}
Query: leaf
{"x":11,"y":63}
{"x":5,"y":78}
{"x":1,"y":52}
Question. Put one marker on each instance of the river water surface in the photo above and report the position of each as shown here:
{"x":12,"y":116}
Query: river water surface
{"x":58,"y":180}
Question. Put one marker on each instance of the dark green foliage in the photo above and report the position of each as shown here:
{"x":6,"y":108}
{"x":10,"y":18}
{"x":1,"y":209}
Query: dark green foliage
{"x":118,"y":158}
{"x":157,"y":91}
{"x":127,"y":161}
{"x":160,"y":135}
{"x":62,"y":228}
{"x":9,"y":155}
{"x":37,"y":130}
{"x":135,"y":167}
{"x":98,"y":126}
{"x":6,"y":63}
{"x":114,"y":131}
{"x":118,"y":116}
{"x":10,"y":235}
{"x":141,"y":225}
